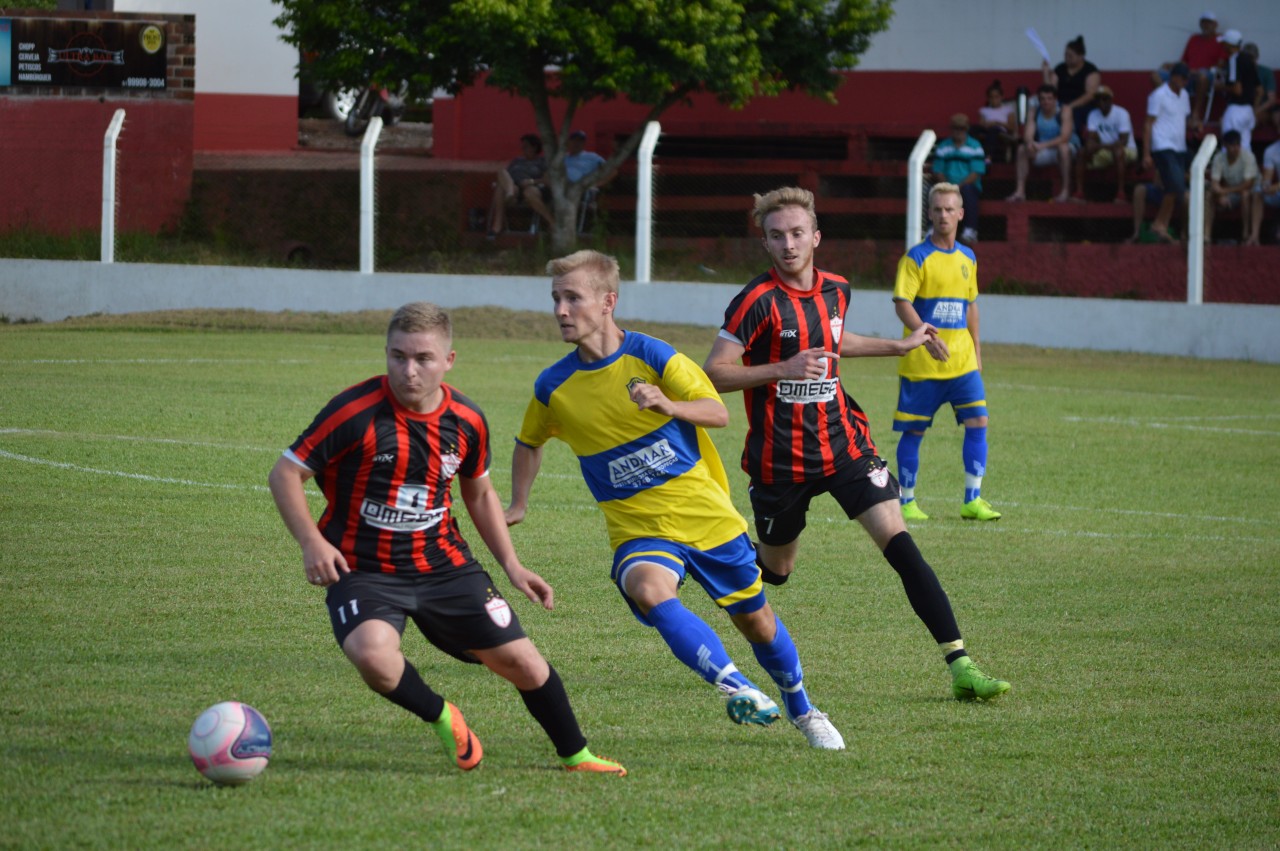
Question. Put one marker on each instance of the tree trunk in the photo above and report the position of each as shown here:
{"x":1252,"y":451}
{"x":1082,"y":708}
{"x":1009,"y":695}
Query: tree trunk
{"x":564,"y":228}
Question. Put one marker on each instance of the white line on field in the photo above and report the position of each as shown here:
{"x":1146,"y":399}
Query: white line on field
{"x":62,"y":465}
{"x":42,"y":432}
{"x":1138,"y":422}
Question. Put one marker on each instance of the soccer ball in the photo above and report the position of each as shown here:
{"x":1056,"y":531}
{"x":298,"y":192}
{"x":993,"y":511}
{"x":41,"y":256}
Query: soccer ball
{"x":230,"y":743}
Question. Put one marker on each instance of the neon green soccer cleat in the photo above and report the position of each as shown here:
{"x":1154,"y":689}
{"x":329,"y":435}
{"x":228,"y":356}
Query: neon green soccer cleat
{"x":912,"y":511}
{"x":969,"y":683}
{"x":585,"y":760}
{"x":978,"y":509}
{"x":459,"y":742}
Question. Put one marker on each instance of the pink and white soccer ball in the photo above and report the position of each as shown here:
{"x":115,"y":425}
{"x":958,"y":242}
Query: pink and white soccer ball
{"x":230,"y":743}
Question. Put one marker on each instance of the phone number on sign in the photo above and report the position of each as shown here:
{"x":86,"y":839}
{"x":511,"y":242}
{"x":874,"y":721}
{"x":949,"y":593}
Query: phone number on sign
{"x":144,"y":82}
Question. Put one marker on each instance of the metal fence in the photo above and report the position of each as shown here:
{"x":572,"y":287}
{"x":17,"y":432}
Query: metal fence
{"x":404,"y":211}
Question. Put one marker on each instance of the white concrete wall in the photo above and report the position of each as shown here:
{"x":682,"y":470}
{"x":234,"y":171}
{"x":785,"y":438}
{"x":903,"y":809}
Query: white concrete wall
{"x":238,"y":48}
{"x":53,"y":290}
{"x":1119,"y":35}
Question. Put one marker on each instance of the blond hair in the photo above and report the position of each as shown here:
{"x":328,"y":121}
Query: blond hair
{"x":602,"y":269}
{"x":421,"y":316}
{"x":944,"y":189}
{"x":786,"y":196}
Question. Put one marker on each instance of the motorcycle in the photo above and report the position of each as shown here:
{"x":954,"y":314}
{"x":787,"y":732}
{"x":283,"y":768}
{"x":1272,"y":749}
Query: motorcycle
{"x":377,"y":101}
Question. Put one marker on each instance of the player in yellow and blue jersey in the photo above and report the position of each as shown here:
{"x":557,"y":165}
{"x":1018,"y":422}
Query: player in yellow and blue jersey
{"x":635,"y":413}
{"x":937,"y":283}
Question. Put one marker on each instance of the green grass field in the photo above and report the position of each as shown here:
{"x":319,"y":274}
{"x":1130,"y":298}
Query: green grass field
{"x":1129,"y":593}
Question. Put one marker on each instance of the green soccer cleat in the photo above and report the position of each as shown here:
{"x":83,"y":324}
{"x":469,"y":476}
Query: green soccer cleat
{"x":459,"y":742}
{"x":585,"y":760}
{"x":969,"y":683}
{"x":978,"y":509}
{"x":912,"y":511}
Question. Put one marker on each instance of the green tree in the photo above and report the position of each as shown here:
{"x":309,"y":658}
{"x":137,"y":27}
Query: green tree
{"x":655,"y":52}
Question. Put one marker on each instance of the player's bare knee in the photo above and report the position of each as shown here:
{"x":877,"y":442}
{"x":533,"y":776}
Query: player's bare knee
{"x":758,"y":627}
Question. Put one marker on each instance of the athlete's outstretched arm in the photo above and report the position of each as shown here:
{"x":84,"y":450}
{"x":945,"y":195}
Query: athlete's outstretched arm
{"x":485,"y":509}
{"x":525,"y":463}
{"x":857,"y":346}
{"x":727,"y":372}
{"x":935,"y":345}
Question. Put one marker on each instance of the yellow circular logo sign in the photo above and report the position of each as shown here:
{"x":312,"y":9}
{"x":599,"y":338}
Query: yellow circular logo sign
{"x":152,"y":38}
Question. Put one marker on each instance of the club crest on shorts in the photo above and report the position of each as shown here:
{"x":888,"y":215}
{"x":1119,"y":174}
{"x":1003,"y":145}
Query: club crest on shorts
{"x":879,"y":476}
{"x":499,"y":612}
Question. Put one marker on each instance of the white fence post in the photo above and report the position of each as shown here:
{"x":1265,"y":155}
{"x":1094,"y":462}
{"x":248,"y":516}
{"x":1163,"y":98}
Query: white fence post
{"x":367,"y":211}
{"x":915,"y":186}
{"x":1195,"y":221}
{"x":644,"y":202}
{"x":109,"y":186}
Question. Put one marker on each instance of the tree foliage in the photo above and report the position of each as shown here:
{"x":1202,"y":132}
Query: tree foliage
{"x":654,"y":52}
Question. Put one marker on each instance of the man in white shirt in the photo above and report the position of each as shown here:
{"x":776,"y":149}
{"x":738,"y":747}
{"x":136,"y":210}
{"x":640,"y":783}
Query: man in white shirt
{"x":1269,"y":186}
{"x":1233,"y":174}
{"x":1108,"y":141}
{"x":1165,"y":138}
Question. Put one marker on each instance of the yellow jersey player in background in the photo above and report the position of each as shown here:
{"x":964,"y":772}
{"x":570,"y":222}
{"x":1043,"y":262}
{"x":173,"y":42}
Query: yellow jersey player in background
{"x":635,"y":413}
{"x":937,"y":283}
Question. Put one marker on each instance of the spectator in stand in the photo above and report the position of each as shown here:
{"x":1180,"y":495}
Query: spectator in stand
{"x":1233,"y":175}
{"x":1269,"y":186}
{"x":579,"y":162}
{"x":1143,"y":194}
{"x":959,"y":159}
{"x":1048,"y":138}
{"x":1240,"y":85}
{"x":996,"y":130}
{"x":1075,"y":80}
{"x":1266,"y":97}
{"x":1202,"y":55}
{"x":522,"y":179}
{"x":1108,"y":141}
{"x":1165,"y":139}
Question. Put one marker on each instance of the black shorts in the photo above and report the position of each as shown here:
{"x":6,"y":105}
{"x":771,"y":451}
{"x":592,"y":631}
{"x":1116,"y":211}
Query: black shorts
{"x":457,"y":609}
{"x":780,"y":509}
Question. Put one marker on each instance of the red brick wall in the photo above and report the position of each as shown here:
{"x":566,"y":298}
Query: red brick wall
{"x":51,"y":144}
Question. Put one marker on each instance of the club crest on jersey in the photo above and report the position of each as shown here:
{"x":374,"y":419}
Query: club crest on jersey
{"x":499,"y":612}
{"x":449,"y":464}
{"x":837,"y":329}
{"x":964,"y":271}
{"x":635,"y":379}
{"x":880,"y":477}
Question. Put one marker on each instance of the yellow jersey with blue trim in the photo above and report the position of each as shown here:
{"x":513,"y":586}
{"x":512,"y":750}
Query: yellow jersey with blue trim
{"x":653,"y":476}
{"x":940,"y":285}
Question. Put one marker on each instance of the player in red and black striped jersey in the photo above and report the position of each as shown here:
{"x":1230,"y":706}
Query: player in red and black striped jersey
{"x":781,"y":344}
{"x":385,"y":453}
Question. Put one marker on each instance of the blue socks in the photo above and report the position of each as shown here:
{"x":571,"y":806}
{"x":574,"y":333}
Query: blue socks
{"x":780,"y":659}
{"x":908,"y":464}
{"x":974,"y":453}
{"x":697,"y":645}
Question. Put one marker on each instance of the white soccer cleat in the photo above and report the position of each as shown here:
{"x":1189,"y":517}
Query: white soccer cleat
{"x":749,"y":705}
{"x":819,"y":730}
